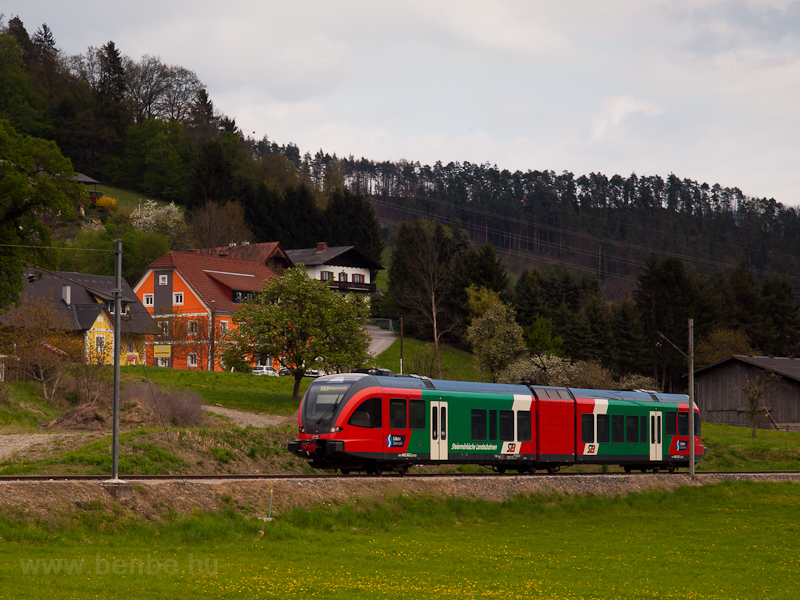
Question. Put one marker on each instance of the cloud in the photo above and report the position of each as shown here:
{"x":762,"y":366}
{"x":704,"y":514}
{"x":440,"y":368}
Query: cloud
{"x":615,"y":111}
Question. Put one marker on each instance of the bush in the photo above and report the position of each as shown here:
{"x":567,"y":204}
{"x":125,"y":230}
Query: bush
{"x":106,"y":203}
{"x":173,"y":407}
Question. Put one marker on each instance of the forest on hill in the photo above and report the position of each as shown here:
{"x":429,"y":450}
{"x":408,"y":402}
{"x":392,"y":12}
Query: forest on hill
{"x":152,"y":127}
{"x":604,"y":264}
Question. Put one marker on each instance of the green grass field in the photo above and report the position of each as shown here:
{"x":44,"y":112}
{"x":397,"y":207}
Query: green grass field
{"x":242,"y":391}
{"x":734,"y":540}
{"x":456,"y":364}
{"x":126,"y":198}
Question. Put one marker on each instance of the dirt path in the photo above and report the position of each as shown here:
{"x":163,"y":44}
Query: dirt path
{"x":15,"y":443}
{"x":245,"y":419}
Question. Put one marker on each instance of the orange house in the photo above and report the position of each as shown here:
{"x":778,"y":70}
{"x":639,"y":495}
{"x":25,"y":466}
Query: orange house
{"x":192,"y":298}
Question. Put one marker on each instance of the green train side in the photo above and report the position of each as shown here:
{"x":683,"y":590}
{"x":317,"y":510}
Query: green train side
{"x":362,"y":422}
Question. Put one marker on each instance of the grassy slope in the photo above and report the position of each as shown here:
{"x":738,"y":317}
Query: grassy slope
{"x":126,"y":198}
{"x":24,"y":409}
{"x":734,"y":540}
{"x":242,"y":391}
{"x":456,"y":364}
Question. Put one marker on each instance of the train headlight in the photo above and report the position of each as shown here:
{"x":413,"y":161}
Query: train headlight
{"x":302,"y":430}
{"x":336,"y":429}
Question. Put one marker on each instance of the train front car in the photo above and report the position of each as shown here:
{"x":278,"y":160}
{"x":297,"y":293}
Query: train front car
{"x":636,"y":430}
{"x":360,"y":422}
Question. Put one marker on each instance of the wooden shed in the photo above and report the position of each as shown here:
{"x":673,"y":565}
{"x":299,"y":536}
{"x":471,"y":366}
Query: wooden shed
{"x":722,"y":395}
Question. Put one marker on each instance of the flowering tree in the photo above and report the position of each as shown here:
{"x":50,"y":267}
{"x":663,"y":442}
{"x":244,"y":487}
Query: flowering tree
{"x":167,"y":220}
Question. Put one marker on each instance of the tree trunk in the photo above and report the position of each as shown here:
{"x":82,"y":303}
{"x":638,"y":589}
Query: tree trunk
{"x":436,"y":335}
{"x":296,"y":390}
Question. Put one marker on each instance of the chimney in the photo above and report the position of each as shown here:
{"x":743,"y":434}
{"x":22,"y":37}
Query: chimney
{"x":66,"y":294}
{"x":322,"y":246}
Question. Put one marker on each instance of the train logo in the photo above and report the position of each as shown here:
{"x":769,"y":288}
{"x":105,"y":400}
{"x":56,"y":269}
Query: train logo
{"x":512,"y":447}
{"x":591,"y":449}
{"x":395,"y":441}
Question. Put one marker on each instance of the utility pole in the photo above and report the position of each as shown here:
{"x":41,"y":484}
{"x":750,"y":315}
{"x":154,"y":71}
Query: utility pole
{"x":117,"y":348}
{"x":401,"y":345}
{"x":691,"y":398}
{"x":212,"y":334}
{"x":690,"y":358}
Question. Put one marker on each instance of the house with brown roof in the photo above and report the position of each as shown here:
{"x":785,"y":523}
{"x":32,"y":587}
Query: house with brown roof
{"x":83,"y":306}
{"x":344,"y":268}
{"x":192,"y":297}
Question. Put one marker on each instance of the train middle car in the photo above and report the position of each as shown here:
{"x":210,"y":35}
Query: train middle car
{"x":362,"y":422}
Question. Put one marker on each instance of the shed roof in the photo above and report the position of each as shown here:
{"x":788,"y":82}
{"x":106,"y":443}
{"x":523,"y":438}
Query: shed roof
{"x":783,"y":366}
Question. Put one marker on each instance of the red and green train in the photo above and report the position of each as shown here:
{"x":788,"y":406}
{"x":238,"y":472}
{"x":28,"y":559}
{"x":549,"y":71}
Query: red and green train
{"x":377,"y":423}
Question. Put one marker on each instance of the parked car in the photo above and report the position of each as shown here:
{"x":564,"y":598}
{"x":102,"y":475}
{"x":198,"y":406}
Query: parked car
{"x":284,"y":371}
{"x":264,"y":370}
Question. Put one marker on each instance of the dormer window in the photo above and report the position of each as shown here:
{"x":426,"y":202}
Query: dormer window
{"x":239,"y":296}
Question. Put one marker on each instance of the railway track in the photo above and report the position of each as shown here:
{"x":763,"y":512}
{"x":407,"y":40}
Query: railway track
{"x":336,"y":476}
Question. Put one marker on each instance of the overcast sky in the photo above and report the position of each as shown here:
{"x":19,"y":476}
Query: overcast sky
{"x":708,"y":90}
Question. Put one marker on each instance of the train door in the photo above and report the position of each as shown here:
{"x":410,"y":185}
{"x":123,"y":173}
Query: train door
{"x":655,"y":435}
{"x":439,"y":430}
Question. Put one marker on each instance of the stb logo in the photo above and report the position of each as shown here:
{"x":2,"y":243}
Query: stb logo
{"x":592,"y":449}
{"x":512,"y":447}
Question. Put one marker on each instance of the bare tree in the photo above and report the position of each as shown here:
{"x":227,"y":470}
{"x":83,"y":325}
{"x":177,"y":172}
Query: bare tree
{"x":421,"y":276}
{"x":180,"y":93}
{"x":41,"y":340}
{"x":214,"y":225}
{"x":147,"y":82}
{"x":754,"y":389}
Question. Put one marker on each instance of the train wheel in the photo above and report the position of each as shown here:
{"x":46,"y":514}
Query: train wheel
{"x":345,"y":471}
{"x":378,"y":470}
{"x":402,"y":470}
{"x":553,"y":469}
{"x":628,"y":468}
{"x":656,"y":469}
{"x":643,"y":469}
{"x":501,"y":470}
{"x":671,"y":468}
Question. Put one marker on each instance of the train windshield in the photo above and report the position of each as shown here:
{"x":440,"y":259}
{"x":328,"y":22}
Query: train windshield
{"x":323,"y":400}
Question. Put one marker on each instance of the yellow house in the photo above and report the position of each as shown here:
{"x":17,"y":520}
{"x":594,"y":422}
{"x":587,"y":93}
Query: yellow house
{"x":82,"y":306}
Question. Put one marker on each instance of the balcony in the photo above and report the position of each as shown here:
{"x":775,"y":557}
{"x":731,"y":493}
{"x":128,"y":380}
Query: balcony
{"x":349,"y":286}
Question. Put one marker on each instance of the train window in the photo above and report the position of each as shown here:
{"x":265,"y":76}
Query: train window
{"x":587,"y":429}
{"x":669,"y":422}
{"x":507,"y":425}
{"x":478,"y":425}
{"x":643,"y":429}
{"x":683,"y":423}
{"x":603,"y":436}
{"x":524,"y":426}
{"x":632,"y":429}
{"x":434,"y":423}
{"x":564,"y":394}
{"x":416,"y":414}
{"x":444,"y":422}
{"x":541,"y":392}
{"x":492,"y":425}
{"x":617,"y":429}
{"x":397,"y":413}
{"x":696,"y":424}
{"x":368,"y":414}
